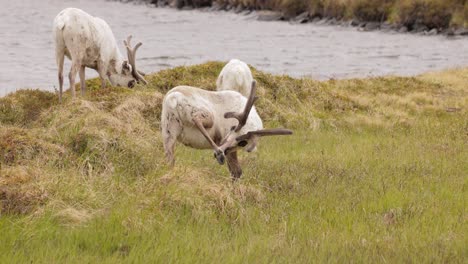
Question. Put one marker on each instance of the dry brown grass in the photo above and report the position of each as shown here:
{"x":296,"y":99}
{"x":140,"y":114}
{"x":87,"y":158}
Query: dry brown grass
{"x":83,"y":139}
{"x":19,"y":192}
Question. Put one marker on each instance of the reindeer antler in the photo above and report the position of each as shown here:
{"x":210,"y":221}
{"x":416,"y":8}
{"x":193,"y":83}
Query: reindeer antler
{"x":265,"y":132}
{"x":131,"y":54}
{"x":243,"y":116}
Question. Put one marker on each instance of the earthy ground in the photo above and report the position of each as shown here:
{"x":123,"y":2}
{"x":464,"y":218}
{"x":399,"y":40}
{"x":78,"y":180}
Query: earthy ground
{"x":375,"y":172}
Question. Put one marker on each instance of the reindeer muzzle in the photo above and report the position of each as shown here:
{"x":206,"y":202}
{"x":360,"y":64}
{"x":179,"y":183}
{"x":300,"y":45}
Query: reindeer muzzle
{"x":220,"y":157}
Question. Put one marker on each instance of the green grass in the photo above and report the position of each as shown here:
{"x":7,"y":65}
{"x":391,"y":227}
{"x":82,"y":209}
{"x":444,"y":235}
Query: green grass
{"x":375,"y":172}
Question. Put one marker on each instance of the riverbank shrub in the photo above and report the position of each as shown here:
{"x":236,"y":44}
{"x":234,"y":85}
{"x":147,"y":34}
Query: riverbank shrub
{"x":413,"y":14}
{"x":364,"y":10}
{"x":439,"y":14}
{"x":432,"y":14}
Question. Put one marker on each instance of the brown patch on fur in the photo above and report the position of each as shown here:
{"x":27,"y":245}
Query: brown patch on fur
{"x":205,"y":117}
{"x":92,"y":53}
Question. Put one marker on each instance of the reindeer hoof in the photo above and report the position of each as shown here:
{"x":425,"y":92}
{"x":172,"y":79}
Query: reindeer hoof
{"x":236,"y":176}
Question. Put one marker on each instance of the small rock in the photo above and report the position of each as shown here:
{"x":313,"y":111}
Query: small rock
{"x":417,"y":28}
{"x":322,"y":21}
{"x":387,"y":26}
{"x":332,"y":21}
{"x":176,"y":3}
{"x":403,"y":29}
{"x":431,"y":32}
{"x":269,"y":16}
{"x":216,"y":7}
{"x":354,"y":23}
{"x":238,"y":9}
{"x":161,"y":3}
{"x":316,"y":19}
{"x":247,"y":12}
{"x":461,"y":32}
{"x":449,"y":32}
{"x":185,"y":8}
{"x":302,"y":18}
{"x":372,"y":26}
{"x":342,"y":23}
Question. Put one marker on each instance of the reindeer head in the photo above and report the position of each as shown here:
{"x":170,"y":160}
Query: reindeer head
{"x":130,"y":74}
{"x":238,"y":138}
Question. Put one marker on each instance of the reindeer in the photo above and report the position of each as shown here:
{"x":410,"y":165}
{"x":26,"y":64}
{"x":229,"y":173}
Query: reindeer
{"x":204,"y":119}
{"x":89,"y":42}
{"x":235,"y":76}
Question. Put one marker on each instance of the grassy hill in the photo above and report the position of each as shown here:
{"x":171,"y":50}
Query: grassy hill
{"x":376,"y":171}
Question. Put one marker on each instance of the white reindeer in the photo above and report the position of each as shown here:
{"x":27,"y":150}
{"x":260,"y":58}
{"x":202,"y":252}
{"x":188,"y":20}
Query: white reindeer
{"x":89,"y":42}
{"x":204,"y":119}
{"x":236,"y":76}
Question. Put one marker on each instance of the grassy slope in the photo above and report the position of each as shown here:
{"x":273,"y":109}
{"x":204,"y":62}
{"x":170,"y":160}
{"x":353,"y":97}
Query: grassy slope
{"x":376,"y":171}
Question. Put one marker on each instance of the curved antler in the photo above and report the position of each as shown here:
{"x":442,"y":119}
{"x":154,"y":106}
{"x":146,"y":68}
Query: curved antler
{"x":243,"y":116}
{"x":265,"y":132}
{"x":131,"y":54}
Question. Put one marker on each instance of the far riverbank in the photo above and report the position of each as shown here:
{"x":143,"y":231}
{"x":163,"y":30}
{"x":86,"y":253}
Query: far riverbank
{"x":447,"y":17}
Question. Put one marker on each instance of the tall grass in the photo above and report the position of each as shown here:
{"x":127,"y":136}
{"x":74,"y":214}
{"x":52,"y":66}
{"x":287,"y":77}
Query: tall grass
{"x":375,"y":172}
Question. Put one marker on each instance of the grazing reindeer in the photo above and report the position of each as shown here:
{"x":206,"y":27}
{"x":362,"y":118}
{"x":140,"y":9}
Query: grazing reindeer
{"x":235,"y":76}
{"x":89,"y":42}
{"x":207,"y":120}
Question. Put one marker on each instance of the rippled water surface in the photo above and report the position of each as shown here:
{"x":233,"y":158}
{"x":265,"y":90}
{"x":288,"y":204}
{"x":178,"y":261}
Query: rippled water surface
{"x":171,"y":38}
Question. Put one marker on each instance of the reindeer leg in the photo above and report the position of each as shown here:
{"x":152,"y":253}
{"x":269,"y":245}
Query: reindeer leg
{"x":233,"y":165}
{"x":203,"y":121}
{"x":82,"y":80}
{"x":60,"y":58}
{"x":102,"y":74}
{"x":74,"y":70}
{"x":103,"y":83}
{"x":171,"y":129}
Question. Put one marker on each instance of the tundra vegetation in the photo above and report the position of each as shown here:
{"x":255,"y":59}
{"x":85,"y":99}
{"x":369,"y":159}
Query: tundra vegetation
{"x":375,"y":172}
{"x":431,"y":14}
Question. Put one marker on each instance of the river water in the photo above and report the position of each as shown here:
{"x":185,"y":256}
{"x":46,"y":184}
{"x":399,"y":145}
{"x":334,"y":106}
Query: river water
{"x":172,"y":38}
